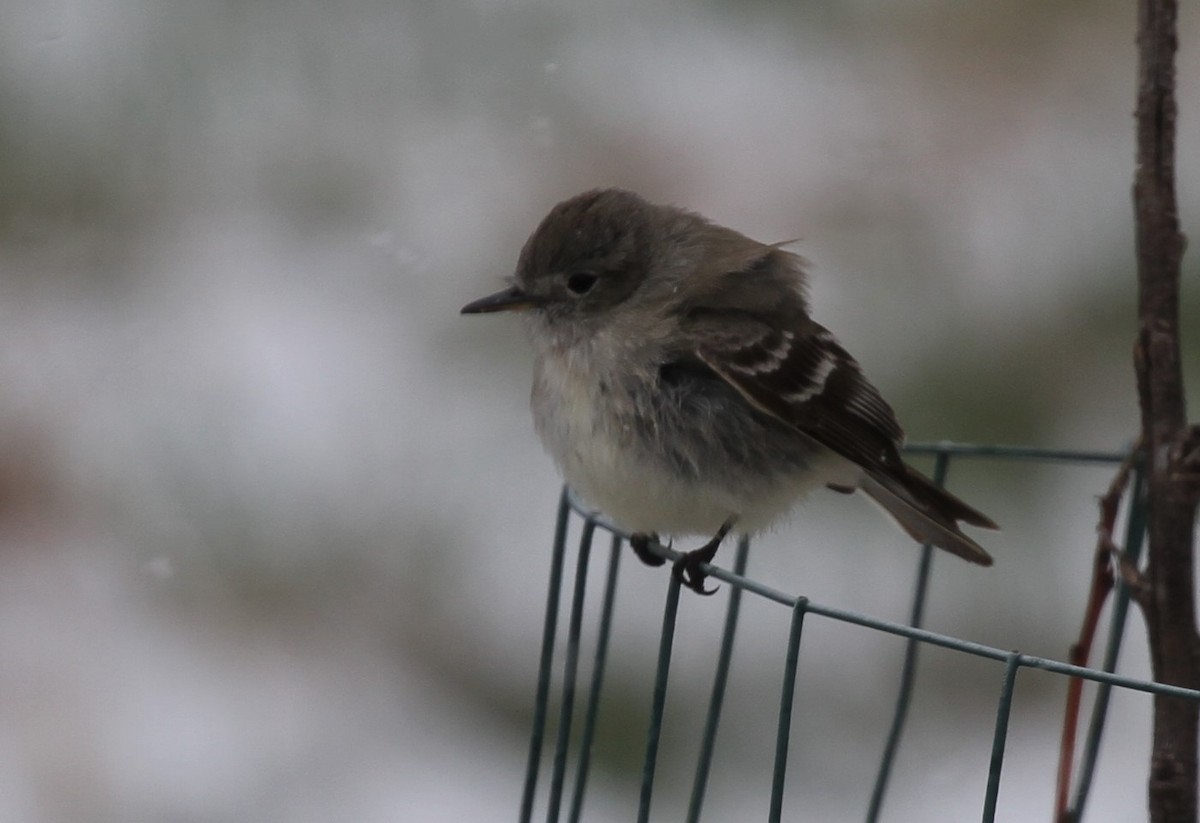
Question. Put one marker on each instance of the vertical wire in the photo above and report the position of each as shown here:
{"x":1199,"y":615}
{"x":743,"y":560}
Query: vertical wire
{"x":666,"y":642}
{"x":708,"y":741}
{"x":909,"y":671}
{"x":549,"y":628}
{"x":1135,"y":532}
{"x":787,"y":693}
{"x":1000,"y":737}
{"x":593,"y":703}
{"x":570,"y":670}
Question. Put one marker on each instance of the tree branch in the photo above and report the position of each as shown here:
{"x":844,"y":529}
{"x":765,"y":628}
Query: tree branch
{"x":1170,"y":444}
{"x":1081,"y":650}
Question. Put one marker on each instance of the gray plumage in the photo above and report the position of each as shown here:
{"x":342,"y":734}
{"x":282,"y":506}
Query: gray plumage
{"x":682,"y":386}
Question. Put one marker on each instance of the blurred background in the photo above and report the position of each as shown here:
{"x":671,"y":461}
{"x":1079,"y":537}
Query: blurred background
{"x":274,"y":525}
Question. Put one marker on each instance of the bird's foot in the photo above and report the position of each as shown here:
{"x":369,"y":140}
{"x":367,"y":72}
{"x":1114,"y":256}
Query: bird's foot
{"x":640,"y":543}
{"x":687,"y":568}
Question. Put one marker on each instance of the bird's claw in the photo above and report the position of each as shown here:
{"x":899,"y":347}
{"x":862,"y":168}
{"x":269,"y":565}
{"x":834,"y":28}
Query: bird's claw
{"x":687,"y":570}
{"x":640,"y":543}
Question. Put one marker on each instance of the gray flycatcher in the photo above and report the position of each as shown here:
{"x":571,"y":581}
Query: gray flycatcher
{"x":682,"y":387}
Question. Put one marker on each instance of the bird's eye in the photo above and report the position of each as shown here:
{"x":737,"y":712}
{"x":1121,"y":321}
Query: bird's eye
{"x":581,"y":282}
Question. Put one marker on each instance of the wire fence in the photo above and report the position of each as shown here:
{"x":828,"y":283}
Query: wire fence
{"x":558,"y":806}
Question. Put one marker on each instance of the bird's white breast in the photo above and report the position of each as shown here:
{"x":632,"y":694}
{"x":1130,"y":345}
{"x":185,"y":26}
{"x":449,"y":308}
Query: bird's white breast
{"x":609,"y":463}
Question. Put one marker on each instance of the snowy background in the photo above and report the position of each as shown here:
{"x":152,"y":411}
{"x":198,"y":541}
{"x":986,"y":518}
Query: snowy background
{"x":274,"y":526}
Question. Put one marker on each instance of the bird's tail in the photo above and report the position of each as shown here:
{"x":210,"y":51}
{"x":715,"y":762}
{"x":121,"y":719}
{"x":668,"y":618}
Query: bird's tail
{"x":929,"y":514}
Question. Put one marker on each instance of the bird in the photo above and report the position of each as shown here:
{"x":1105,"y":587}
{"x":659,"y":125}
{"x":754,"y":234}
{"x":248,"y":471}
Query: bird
{"x":682,"y":386}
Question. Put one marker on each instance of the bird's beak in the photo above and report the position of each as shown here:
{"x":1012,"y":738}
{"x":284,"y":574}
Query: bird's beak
{"x":511,"y":299}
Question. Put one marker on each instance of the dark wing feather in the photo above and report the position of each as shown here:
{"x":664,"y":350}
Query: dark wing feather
{"x":799,"y":373}
{"x":750,"y":326}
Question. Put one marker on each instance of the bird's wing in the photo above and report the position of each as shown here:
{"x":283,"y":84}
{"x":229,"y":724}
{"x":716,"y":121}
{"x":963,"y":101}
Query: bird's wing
{"x":798,"y":372}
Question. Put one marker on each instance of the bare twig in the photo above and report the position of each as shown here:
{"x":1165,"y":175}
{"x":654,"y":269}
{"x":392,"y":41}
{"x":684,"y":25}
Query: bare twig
{"x":1167,"y":601}
{"x":1102,"y":584}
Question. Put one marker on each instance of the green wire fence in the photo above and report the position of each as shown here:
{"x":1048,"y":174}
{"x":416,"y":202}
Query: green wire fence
{"x":739,"y":586}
